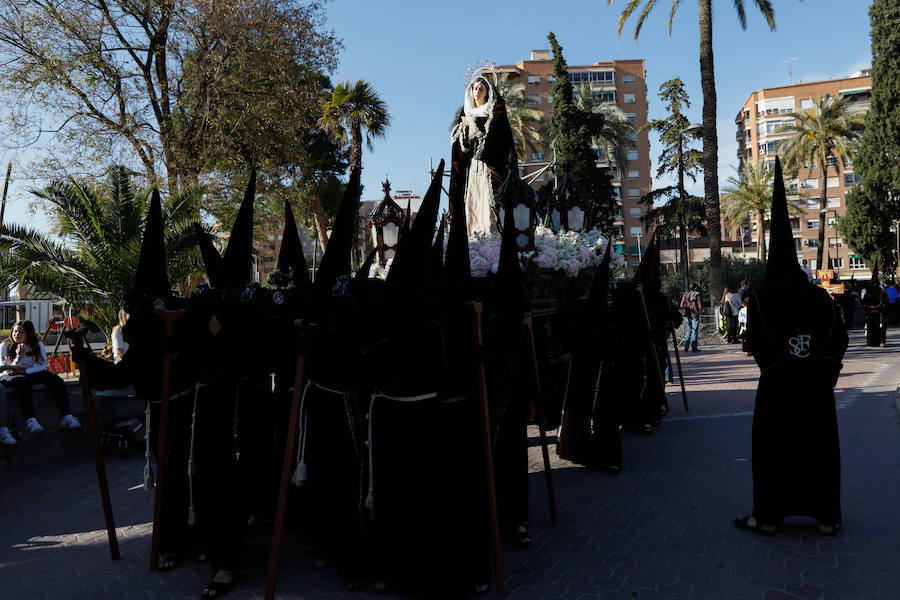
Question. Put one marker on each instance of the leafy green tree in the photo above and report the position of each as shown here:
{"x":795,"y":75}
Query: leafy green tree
{"x":828,"y":129}
{"x":750,"y":193}
{"x":572,"y":129}
{"x":875,"y":204}
{"x":184,"y":91}
{"x":675,"y":158}
{"x":95,"y":261}
{"x":708,"y":84}
{"x":613,"y":129}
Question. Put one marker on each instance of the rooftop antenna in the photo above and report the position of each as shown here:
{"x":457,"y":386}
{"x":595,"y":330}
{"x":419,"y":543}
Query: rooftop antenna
{"x":790,"y":64}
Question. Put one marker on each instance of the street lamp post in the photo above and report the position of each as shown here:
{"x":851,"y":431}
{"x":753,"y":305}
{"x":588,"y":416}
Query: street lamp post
{"x":685,"y":254}
{"x":640,"y":256}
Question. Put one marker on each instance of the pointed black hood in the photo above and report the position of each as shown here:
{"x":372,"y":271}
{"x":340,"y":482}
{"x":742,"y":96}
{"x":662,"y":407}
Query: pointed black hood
{"x":509,"y":273}
{"x":596,"y":302}
{"x":457,"y":269}
{"x":151,"y":278}
{"x":237,"y":261}
{"x":364,"y":269}
{"x":436,"y":259}
{"x":211,"y":258}
{"x":781,"y":266}
{"x":336,"y":259}
{"x":647,"y":274}
{"x":411,"y":259}
{"x":290,"y":257}
{"x":874,"y":279}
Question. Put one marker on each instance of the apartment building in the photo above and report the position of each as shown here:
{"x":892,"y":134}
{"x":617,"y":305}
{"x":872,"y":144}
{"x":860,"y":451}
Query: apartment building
{"x":758,"y":136}
{"x":621,"y":83}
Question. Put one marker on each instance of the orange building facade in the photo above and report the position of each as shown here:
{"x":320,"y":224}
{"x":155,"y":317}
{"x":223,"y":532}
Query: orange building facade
{"x":758,"y":121}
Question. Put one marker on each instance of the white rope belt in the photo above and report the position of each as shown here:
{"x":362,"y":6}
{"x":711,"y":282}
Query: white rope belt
{"x":148,"y":472}
{"x":300,"y":473}
{"x":370,"y":497}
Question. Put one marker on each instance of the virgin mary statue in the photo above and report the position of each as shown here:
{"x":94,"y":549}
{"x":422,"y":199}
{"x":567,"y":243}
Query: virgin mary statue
{"x":483,"y":151}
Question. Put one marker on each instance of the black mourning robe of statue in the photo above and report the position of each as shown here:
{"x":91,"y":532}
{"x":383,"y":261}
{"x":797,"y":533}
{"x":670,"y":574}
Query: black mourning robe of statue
{"x":480,"y":157}
{"x":796,"y":455}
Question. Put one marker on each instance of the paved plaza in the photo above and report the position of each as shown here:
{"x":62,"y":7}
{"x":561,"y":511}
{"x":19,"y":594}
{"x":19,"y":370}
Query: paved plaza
{"x":662,"y":529}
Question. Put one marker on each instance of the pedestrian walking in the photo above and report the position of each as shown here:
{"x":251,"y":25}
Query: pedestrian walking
{"x":691,"y":304}
{"x":731,"y":306}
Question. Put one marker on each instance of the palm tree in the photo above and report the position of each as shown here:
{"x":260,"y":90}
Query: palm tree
{"x":613,"y":135}
{"x":348,"y":109}
{"x":710,"y":138}
{"x":750,"y":193}
{"x":95,"y":261}
{"x":526,"y":122}
{"x":828,"y":129}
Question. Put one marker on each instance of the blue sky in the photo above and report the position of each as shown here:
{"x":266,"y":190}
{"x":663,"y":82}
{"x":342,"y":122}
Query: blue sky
{"x":416,"y":53}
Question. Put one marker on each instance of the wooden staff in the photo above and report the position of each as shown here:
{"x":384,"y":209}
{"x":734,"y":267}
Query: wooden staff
{"x":78,"y":338}
{"x":169,"y":317}
{"x":288,"y":462}
{"x":662,"y":383}
{"x":475,"y":307}
{"x":677,"y":357}
{"x":539,"y":413}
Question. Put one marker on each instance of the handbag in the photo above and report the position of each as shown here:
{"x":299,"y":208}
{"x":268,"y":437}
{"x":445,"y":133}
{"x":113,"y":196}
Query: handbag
{"x":727,"y":310}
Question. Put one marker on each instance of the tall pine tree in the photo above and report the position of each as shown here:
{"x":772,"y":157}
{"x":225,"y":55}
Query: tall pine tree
{"x":571,"y":131}
{"x":874,"y":204}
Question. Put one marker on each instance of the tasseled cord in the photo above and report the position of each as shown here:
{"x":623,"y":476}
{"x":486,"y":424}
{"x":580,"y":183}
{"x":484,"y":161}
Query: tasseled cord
{"x":300,"y":475}
{"x":148,"y":473}
{"x":192,"y":467}
{"x":370,"y":496}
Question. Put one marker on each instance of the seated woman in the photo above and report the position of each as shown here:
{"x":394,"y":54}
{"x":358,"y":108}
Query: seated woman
{"x":25,"y":364}
{"x":6,"y":437}
{"x":119,"y":342}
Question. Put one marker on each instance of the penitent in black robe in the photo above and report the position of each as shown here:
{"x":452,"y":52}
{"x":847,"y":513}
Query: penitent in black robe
{"x":796,"y":454}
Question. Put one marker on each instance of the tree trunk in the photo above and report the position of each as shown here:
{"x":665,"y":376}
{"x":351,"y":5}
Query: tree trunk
{"x":319,"y":216}
{"x":685,"y":264}
{"x":356,"y":161}
{"x":710,"y":149}
{"x":823,"y":203}
{"x":761,"y":235}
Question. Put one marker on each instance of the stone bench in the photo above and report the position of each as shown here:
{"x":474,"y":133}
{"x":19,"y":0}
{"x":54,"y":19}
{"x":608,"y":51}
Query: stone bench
{"x":55,"y":442}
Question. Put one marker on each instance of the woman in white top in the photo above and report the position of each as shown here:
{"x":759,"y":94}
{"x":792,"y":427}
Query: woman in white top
{"x":119,"y":345}
{"x":24,"y":363}
{"x":731,"y":304}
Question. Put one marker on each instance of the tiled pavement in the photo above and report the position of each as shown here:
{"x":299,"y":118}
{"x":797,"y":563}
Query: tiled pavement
{"x":660,"y":530}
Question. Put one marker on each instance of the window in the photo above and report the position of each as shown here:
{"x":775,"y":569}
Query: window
{"x":812,"y":223}
{"x":634,"y":174}
{"x":812,"y":203}
{"x":631,"y":135}
{"x":599,"y":154}
{"x":628,"y":78}
{"x":534,"y":79}
{"x":851,"y":179}
{"x":812,"y":243}
{"x":631,"y":154}
{"x":831,"y":221}
{"x":606,"y":96}
{"x":811,"y":184}
{"x":617,"y":192}
{"x":767,"y":148}
{"x":833,"y":202}
{"x":832,"y":182}
{"x":533,"y":98}
{"x":835,"y":263}
{"x":798,"y":244}
{"x":848,"y":164}
{"x":856,"y":262}
{"x":630,"y":99}
{"x":831,"y":161}
{"x":632,"y":117}
{"x":636,"y":231}
{"x":836,"y":242}
{"x":634,"y":213}
{"x":537,"y":156}
{"x":549,"y":98}
{"x":806,"y":104}
{"x":592,"y":77}
{"x":551,"y":79}
{"x":772,"y":127}
{"x":634,"y":193}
